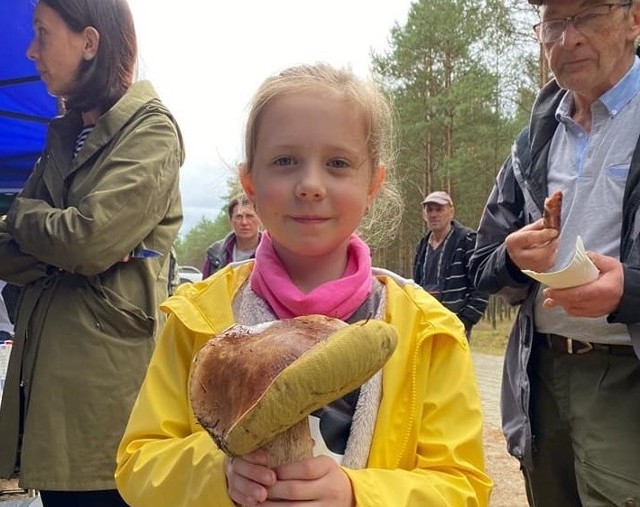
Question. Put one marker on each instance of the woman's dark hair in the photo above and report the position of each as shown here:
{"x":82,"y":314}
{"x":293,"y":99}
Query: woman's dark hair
{"x":103,"y":80}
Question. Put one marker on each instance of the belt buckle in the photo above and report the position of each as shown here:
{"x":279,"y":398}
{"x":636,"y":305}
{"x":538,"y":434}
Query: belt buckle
{"x":571,"y":350}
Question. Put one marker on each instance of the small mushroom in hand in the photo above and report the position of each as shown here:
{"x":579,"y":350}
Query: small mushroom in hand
{"x":254,"y":386}
{"x":553,"y":210}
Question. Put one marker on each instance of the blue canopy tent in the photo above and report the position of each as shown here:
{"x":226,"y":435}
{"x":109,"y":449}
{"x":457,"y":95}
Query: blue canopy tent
{"x":25,"y":109}
{"x":25,"y":105}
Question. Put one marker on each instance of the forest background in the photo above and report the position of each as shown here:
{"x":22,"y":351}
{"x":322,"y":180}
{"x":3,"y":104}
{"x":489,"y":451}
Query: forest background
{"x":462,"y":75}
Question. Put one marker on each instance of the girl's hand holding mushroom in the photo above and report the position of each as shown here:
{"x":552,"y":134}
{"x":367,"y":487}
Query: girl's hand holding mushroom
{"x":317,"y":481}
{"x":248,"y":478}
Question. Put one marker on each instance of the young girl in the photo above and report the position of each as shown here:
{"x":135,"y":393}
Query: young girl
{"x":315,"y":146}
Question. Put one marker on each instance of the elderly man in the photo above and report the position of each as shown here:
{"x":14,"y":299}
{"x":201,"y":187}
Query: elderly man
{"x":571,"y":380}
{"x":441,"y":264}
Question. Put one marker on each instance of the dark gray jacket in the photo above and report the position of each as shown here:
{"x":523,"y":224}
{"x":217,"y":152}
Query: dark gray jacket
{"x":516,"y":200}
{"x":219,"y":254}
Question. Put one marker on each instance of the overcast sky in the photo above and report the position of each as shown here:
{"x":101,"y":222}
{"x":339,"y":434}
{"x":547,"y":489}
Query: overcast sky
{"x":207,"y":58}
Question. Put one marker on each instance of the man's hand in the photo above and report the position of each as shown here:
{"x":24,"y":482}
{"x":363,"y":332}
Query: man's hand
{"x":533,"y":247}
{"x":595,"y":299}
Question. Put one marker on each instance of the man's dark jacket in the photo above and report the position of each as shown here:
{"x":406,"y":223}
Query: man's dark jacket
{"x":220,"y":253}
{"x":517,"y":200}
{"x":455,"y":284}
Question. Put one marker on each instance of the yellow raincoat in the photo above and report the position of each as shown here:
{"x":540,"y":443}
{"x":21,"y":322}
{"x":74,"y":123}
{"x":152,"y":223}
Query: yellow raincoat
{"x":427,"y":442}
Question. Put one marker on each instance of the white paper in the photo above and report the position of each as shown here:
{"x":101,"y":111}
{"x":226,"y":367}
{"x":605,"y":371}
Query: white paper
{"x":579,"y":271}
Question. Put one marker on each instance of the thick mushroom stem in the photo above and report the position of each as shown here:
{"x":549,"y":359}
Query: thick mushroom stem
{"x":293,"y":444}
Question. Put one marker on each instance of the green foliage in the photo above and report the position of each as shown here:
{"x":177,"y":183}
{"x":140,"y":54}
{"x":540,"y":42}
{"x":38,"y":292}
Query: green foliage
{"x":191,"y":249}
{"x":461,"y":75}
{"x":491,"y":339}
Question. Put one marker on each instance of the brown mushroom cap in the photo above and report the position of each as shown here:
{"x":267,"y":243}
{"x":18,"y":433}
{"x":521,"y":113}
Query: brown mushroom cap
{"x":250,"y":384}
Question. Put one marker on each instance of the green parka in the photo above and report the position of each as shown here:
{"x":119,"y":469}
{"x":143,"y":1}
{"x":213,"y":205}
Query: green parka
{"x":86,"y":321}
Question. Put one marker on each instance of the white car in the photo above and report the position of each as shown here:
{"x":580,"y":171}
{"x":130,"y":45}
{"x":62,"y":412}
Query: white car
{"x":189,"y":274}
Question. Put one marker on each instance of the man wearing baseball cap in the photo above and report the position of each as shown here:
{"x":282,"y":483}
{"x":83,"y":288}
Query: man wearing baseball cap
{"x":441,"y":263}
{"x":571,"y":382}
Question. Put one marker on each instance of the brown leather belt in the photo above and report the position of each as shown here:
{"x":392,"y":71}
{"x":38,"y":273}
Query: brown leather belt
{"x":569,"y":346}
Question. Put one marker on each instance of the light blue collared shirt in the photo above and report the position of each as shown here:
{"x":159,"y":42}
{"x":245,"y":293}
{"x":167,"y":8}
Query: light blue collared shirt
{"x":591,"y":169}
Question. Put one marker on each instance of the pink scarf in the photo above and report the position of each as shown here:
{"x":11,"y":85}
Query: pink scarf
{"x":338,"y":298}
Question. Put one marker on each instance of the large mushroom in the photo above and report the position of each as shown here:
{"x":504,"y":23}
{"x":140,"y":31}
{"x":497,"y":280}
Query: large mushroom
{"x":254,"y":386}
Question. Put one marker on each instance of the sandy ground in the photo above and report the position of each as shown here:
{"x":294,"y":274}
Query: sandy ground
{"x":508,"y":490}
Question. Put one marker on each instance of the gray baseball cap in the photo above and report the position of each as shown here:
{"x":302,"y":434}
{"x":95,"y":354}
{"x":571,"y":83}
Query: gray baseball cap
{"x":438,"y":197}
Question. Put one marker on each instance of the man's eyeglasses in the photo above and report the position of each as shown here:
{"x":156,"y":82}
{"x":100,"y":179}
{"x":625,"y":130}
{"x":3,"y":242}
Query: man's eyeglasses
{"x":588,"y":21}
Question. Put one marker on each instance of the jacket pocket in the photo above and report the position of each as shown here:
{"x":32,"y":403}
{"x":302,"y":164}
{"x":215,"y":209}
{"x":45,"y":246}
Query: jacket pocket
{"x":618,"y":171}
{"x":115,"y":315}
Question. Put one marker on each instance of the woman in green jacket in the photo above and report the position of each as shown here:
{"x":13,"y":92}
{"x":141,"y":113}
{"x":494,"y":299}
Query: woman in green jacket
{"x":88,"y":238}
{"x":412,"y":434}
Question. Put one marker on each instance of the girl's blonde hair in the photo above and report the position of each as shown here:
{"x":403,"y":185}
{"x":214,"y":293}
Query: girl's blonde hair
{"x":381,"y":221}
